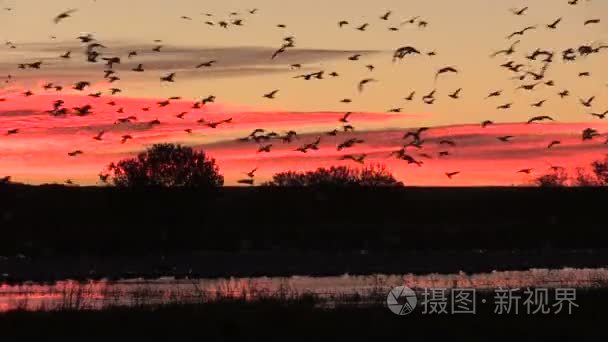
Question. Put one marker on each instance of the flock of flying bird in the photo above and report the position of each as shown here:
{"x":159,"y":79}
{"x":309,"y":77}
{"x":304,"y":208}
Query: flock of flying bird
{"x":413,"y":140}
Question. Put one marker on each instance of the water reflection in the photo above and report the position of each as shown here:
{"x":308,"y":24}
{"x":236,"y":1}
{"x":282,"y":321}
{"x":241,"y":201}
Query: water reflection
{"x":96,"y":295}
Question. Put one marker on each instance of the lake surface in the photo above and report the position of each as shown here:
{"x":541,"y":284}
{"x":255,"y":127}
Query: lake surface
{"x":96,"y":295}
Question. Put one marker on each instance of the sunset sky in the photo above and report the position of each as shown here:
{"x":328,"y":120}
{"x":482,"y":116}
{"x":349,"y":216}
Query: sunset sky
{"x":462,"y":33}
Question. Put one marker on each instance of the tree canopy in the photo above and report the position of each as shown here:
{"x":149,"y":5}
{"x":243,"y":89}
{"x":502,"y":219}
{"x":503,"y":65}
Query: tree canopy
{"x":166,"y":165}
{"x":595,"y":175}
{"x":338,"y":176}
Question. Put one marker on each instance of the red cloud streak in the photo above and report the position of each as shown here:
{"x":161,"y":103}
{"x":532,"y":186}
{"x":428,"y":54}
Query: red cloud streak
{"x":38,"y":153}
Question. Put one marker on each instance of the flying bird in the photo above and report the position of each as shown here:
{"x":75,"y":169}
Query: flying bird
{"x":169,"y":78}
{"x":538,"y":104}
{"x":592,"y":21}
{"x":519,"y":12}
{"x":600,"y":115}
{"x":450,"y":175}
{"x":456,"y":94}
{"x":265,"y":148}
{"x":99,"y":135}
{"x":363,"y":82}
{"x":553,"y":25}
{"x":356,"y":158}
{"x":63,"y":15}
{"x":362,"y":27}
{"x":590,"y":133}
{"x":401,"y":52}
{"x":445,"y":70}
{"x":494,"y":94}
{"x":271,"y":95}
{"x":206,"y":64}
{"x":540,"y":118}
{"x":125,"y":138}
{"x":588,"y":102}
{"x":553,"y":144}
{"x":75,"y":153}
{"x":521,"y":32}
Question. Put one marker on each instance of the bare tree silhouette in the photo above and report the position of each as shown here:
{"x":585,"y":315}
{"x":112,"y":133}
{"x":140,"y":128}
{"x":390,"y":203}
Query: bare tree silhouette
{"x":167,"y":165}
{"x":594,"y":175}
{"x":336,"y":176}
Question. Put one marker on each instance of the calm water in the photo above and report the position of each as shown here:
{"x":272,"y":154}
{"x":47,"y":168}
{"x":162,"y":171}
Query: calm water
{"x":101,"y":294}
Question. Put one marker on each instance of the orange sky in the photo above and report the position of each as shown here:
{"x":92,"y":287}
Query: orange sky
{"x":463,"y":34}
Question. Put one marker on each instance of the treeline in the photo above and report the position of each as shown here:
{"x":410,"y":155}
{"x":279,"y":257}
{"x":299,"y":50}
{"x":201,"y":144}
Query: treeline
{"x":58,"y":220}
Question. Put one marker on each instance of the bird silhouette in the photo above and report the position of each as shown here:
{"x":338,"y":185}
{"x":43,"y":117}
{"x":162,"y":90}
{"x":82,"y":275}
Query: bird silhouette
{"x":588,"y":102}
{"x":445,"y":70}
{"x":451,"y":175}
{"x":540,"y":118}
{"x":207,"y":64}
{"x":265,"y":148}
{"x":63,"y":15}
{"x":519,"y":12}
{"x":363,"y":27}
{"x":401,"y":52}
{"x":208,"y":99}
{"x":521,"y":32}
{"x":345,"y":117}
{"x":591,"y":21}
{"x":456,"y":94}
{"x":125,"y":138}
{"x":99,"y":135}
{"x":553,"y":144}
{"x":486,"y":123}
{"x":75,"y":153}
{"x":506,"y":138}
{"x":538,"y":104}
{"x":590,"y":133}
{"x":271,"y":95}
{"x":356,"y":158}
{"x":529,"y":87}
{"x":494,"y":94}
{"x":349,"y":143}
{"x":429,"y":98}
{"x":168,"y":78}
{"x":553,"y":25}
{"x":83,"y":110}
{"x":363,"y":82}
{"x":600,"y":115}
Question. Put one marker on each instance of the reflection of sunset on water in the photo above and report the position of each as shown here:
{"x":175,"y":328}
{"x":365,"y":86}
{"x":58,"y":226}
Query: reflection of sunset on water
{"x":96,"y":295}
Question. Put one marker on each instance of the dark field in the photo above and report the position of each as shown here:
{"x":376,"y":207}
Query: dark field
{"x":302,"y":320}
{"x":264,"y":231}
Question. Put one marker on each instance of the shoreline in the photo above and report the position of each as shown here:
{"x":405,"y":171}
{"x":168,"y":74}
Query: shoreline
{"x":212,"y":265}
